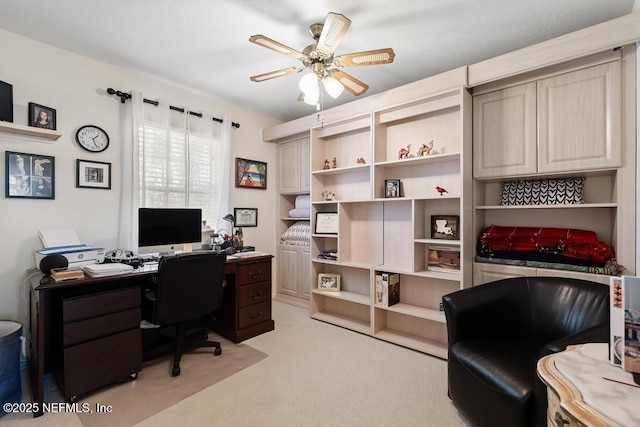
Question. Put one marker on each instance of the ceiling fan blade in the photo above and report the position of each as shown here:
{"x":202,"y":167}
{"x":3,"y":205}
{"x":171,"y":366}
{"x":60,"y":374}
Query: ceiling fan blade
{"x":274,"y":74}
{"x":369,"y":57}
{"x":334,"y":28}
{"x":350,"y":83}
{"x":264,"y":41}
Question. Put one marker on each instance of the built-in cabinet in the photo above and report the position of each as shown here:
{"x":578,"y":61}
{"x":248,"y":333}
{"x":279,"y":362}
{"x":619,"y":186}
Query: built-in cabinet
{"x":377,"y":233}
{"x":294,"y":178}
{"x":567,"y":123}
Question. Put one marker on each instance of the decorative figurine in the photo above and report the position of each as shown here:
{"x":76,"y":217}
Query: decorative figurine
{"x":441,"y":190}
{"x":404,"y":152}
{"x":328,"y":195}
{"x":326,"y":164}
{"x":334,"y":164}
{"x":425,"y":149}
{"x":360,"y":161}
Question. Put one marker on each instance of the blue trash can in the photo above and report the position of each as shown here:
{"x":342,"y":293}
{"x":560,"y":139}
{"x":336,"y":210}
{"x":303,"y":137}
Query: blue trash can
{"x":10,"y":384}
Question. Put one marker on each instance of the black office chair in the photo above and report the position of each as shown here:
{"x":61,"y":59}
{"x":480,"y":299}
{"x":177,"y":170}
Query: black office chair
{"x":188,"y":288}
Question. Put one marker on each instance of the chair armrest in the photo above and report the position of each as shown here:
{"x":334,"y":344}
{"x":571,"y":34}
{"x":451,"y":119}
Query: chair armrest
{"x":150,"y":295}
{"x":493,"y":311}
{"x":598,"y":333}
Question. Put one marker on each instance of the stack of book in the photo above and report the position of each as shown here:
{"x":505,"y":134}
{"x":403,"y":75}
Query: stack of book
{"x":66,"y":273}
{"x":331,"y":255}
{"x":100,"y":270}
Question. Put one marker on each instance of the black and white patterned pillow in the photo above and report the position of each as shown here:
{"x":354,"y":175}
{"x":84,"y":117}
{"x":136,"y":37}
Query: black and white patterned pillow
{"x":566,"y":191}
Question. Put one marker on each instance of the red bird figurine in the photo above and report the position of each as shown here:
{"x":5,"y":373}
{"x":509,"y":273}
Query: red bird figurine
{"x":441,"y":190}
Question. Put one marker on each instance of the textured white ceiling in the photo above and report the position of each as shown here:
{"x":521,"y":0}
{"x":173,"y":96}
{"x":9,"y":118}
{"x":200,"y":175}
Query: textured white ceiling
{"x":203,"y":44}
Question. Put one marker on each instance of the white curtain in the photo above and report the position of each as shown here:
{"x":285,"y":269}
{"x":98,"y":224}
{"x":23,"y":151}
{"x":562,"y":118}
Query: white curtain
{"x":172,"y":159}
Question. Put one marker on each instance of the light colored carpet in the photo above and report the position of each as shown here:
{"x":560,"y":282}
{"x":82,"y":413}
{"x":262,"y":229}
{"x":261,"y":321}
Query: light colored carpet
{"x":316,"y":375}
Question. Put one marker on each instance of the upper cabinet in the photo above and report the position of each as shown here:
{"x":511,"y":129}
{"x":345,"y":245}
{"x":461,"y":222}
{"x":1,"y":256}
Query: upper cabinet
{"x":293,"y":171}
{"x":563,"y":123}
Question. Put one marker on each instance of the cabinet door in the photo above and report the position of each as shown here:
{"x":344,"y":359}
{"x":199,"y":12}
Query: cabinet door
{"x":289,"y":167}
{"x":485,"y":273}
{"x":304,"y":273}
{"x":579,"y":118}
{"x":305,"y":166}
{"x":288,"y":271}
{"x":504,"y":132}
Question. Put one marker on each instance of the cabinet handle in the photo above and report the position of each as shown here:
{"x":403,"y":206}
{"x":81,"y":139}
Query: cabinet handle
{"x":255,"y":295}
{"x":255,"y":275}
{"x":559,"y":420}
{"x":255,"y":315}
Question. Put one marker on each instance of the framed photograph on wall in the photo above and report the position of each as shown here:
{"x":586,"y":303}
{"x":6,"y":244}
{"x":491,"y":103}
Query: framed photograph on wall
{"x":329,"y":282}
{"x":245,"y":217}
{"x":91,"y":174}
{"x":41,"y":116}
{"x":444,"y":227}
{"x":30,"y":176}
{"x":251,"y":174}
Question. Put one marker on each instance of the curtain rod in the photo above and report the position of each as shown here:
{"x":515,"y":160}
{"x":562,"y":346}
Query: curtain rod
{"x":124,"y":96}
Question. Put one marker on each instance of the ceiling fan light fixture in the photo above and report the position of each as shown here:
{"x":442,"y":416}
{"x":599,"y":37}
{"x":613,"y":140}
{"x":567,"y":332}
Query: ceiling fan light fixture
{"x":333,"y":87}
{"x":308,"y":82}
{"x":312,"y":96}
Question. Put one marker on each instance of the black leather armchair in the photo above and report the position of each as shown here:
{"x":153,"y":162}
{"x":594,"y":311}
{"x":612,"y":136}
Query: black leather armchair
{"x":188,"y":288}
{"x":499,"y":330}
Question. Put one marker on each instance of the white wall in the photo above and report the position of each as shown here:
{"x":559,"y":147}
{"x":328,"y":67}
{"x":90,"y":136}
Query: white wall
{"x":75,"y":86}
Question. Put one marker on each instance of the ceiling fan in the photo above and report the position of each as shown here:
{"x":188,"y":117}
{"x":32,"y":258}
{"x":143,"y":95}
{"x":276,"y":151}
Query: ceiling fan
{"x":318,"y":57}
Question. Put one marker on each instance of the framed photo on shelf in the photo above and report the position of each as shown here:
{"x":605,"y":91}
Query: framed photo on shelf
{"x":326,"y":223}
{"x":251,"y":174}
{"x":444,"y":227}
{"x":41,"y":116}
{"x":329,"y":282}
{"x":92,"y":174}
{"x":245,"y":217}
{"x":391,"y":188}
{"x":443,"y":258}
{"x":29,"y":176}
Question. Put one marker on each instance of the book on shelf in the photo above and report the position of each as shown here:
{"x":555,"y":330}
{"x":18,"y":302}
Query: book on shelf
{"x":443,"y":258}
{"x":625,"y":323}
{"x":331,"y":255}
{"x":66,"y":273}
{"x":387,"y":289}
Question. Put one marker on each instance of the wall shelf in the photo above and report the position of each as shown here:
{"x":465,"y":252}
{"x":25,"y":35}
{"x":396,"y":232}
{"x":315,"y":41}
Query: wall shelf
{"x":15,"y":129}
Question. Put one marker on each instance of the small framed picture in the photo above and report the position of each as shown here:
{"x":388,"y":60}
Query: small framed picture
{"x":443,"y":258}
{"x":41,"y":116}
{"x":326,"y":222}
{"x":329,"y":282}
{"x":391,"y":188}
{"x":251,"y":174}
{"x":245,"y":217}
{"x":444,"y":227}
{"x":91,"y":174}
{"x":30,"y":176}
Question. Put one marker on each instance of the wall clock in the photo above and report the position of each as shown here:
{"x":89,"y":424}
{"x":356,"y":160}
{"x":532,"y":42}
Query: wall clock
{"x":92,"y":138}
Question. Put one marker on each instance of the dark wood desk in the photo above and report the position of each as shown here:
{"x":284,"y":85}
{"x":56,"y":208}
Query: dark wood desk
{"x":87,"y":330}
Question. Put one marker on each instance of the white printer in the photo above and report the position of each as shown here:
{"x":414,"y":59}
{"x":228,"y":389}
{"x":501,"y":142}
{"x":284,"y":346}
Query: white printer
{"x":66,"y":242}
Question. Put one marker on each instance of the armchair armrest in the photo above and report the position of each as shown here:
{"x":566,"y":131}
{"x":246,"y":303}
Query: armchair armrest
{"x":598,"y":333}
{"x":496,"y":310}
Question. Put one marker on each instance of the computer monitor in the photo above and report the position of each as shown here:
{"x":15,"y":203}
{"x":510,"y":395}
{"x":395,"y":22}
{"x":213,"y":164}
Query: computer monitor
{"x":167,"y":230}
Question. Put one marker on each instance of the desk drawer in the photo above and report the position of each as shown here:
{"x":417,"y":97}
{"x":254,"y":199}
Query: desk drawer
{"x":85,"y":330}
{"x":253,"y":314}
{"x":253,"y":272}
{"x":251,"y":294}
{"x":83,"y":307}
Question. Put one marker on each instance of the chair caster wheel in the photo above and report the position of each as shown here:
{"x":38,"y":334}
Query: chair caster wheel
{"x":134,"y":375}
{"x":175,"y":371}
{"x":217,"y":352}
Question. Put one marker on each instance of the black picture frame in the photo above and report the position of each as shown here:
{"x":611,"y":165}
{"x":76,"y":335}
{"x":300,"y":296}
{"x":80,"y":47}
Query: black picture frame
{"x":326,"y":223}
{"x":29,"y":176}
{"x":445,"y":227}
{"x":92,"y":174}
{"x":245,"y":217}
{"x":391,"y":188}
{"x":251,"y":174}
{"x":35,"y":110}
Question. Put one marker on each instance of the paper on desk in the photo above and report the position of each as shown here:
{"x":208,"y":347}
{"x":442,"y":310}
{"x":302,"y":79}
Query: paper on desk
{"x":59,"y":237}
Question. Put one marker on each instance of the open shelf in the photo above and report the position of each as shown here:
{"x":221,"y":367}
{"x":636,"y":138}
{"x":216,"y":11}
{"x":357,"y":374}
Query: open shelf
{"x":15,"y":129}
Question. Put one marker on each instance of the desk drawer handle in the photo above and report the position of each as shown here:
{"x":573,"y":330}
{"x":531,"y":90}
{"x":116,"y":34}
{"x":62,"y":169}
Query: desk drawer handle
{"x":255,"y":275}
{"x":559,"y":420}
{"x":255,"y":295}
{"x":255,"y":315}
